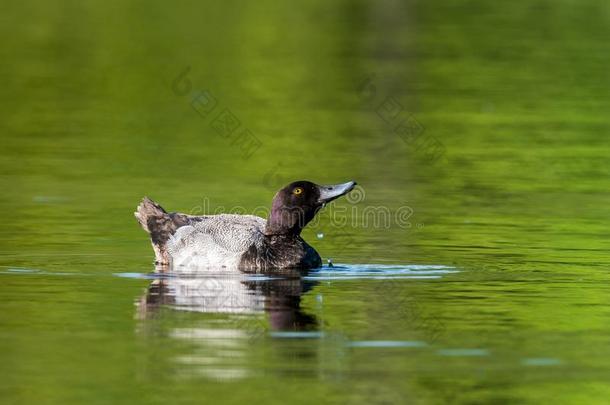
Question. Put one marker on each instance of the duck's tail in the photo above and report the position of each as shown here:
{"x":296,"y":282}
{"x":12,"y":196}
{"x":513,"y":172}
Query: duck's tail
{"x":159,"y":224}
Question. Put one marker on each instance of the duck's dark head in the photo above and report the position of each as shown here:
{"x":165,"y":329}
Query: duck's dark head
{"x":297,"y":203}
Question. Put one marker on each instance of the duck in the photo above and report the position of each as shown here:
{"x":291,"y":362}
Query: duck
{"x":246,"y":243}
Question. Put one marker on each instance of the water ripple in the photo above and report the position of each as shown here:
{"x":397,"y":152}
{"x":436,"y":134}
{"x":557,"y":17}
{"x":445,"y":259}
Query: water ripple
{"x":380,"y":271}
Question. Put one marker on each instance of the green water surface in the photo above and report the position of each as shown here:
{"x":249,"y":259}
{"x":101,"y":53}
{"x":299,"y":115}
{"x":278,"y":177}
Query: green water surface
{"x":481,"y":127}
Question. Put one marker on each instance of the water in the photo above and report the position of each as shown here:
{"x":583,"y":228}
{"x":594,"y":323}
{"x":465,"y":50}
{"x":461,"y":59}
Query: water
{"x":470,"y":267}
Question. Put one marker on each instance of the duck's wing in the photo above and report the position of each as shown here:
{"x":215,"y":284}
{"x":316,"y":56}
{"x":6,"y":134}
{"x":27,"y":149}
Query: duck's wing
{"x":215,"y":240}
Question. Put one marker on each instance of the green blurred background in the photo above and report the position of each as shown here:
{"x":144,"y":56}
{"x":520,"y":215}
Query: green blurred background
{"x":514,"y":94}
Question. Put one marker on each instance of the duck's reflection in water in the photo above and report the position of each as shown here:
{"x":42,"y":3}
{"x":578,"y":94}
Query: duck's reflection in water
{"x":235,"y":310}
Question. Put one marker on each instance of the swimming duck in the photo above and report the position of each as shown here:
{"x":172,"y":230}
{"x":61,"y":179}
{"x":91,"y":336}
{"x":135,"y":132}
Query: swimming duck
{"x":241,"y":242}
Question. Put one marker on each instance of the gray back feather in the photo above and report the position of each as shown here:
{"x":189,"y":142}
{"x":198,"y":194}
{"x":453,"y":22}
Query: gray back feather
{"x":216,"y":241}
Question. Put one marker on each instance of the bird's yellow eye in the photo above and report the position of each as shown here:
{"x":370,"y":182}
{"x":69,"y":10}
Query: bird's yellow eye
{"x":297,"y":191}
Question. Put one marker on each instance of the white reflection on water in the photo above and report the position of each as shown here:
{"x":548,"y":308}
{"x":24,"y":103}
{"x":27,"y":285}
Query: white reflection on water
{"x":218,"y":353}
{"x":252,"y":307}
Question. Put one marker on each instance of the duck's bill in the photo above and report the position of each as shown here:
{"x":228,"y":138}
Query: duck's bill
{"x":333,"y":191}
